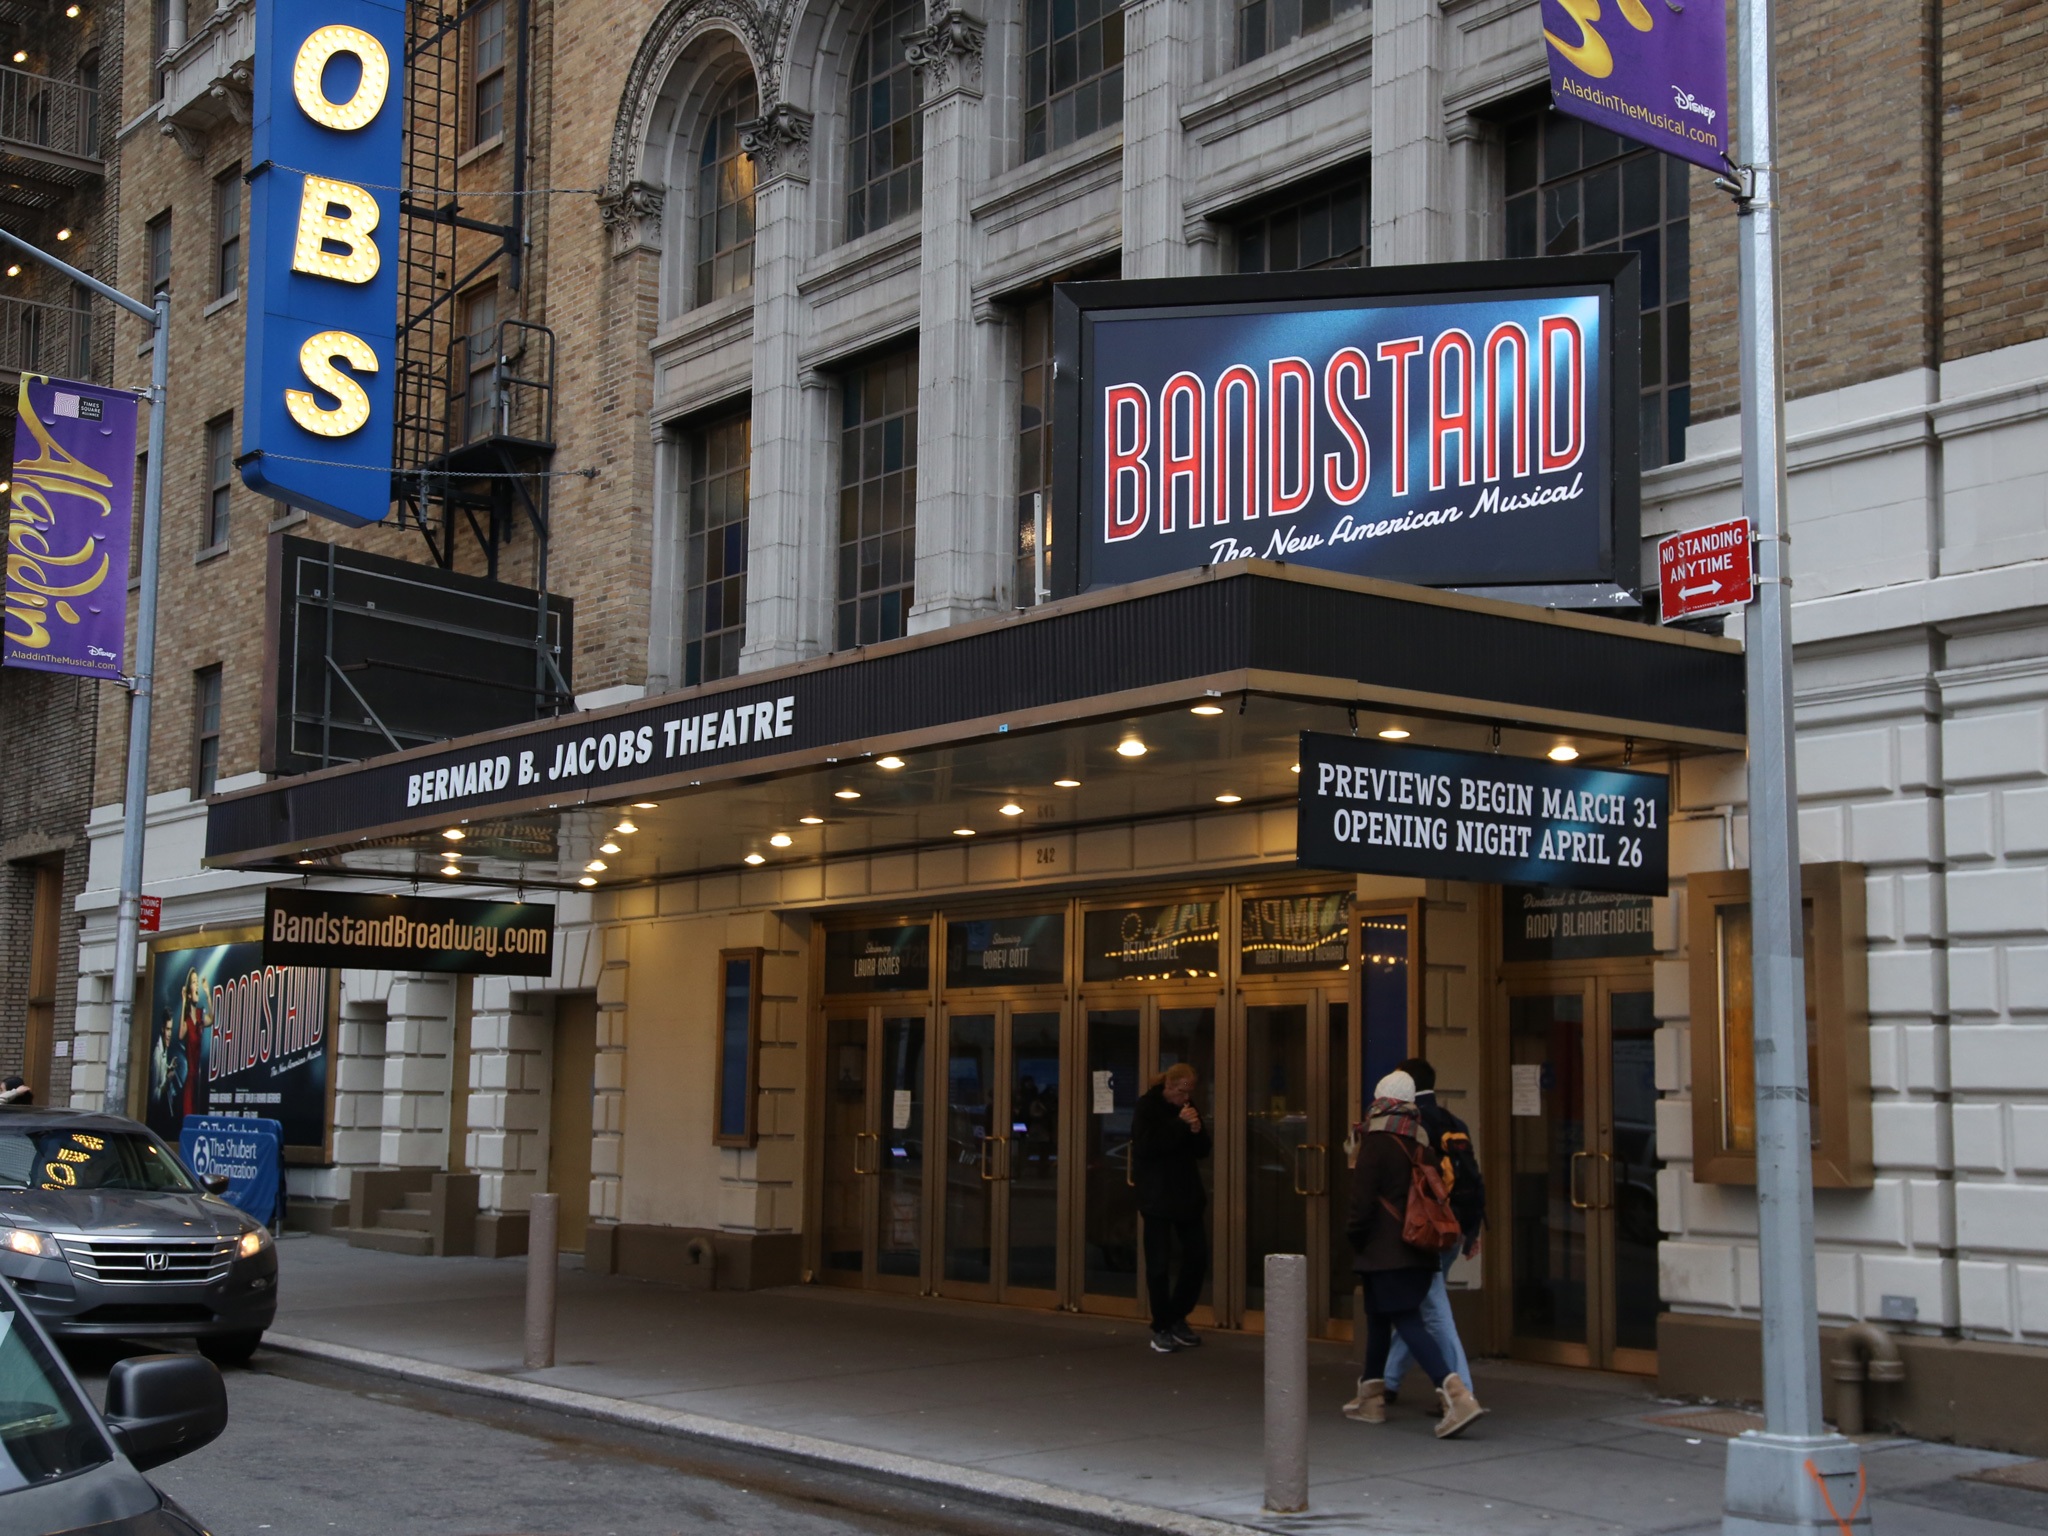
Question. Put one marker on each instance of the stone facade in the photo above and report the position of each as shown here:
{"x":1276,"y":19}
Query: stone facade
{"x":1918,"y":369}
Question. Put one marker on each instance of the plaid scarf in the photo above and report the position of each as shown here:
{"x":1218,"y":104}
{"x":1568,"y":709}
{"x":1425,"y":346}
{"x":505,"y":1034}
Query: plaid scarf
{"x":1399,"y":1117}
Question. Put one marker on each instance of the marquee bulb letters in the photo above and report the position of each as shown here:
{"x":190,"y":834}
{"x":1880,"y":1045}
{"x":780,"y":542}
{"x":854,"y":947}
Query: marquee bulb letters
{"x":318,"y":227}
{"x":316,"y":358}
{"x":368,"y":100}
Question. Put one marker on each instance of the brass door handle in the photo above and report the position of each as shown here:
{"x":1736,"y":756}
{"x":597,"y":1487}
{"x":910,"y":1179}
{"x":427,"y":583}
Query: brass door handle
{"x":1319,"y":1163}
{"x":1606,"y":1181}
{"x":1130,"y":1165}
{"x":1577,"y":1203}
{"x":986,"y":1176}
{"x":858,"y":1138}
{"x":1300,"y":1186}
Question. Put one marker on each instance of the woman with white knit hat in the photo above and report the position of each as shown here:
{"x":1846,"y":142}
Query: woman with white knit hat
{"x":1394,"y":1273}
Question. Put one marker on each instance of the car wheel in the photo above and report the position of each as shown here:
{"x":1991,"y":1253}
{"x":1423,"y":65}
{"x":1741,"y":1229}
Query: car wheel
{"x":231,"y":1349}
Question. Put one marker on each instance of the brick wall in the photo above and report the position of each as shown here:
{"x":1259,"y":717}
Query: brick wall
{"x":1994,"y":160}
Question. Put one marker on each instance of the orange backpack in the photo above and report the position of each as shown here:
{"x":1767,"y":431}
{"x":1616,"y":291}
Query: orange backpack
{"x":1428,"y":1223}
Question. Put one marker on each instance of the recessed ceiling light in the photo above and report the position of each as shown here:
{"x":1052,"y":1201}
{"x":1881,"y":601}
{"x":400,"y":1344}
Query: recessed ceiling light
{"x":610,"y":848}
{"x":63,"y":234}
{"x":845,"y":794}
{"x":587,"y":880}
{"x":594,"y":866}
{"x":455,"y":834}
{"x":308,"y":861}
{"x":14,"y":269}
{"x":1393,"y":733}
{"x":1206,"y":709}
{"x":1011,"y":809}
{"x":1130,"y":746}
{"x":1563,"y":754}
{"x":812,"y":821}
{"x":963,"y":831}
{"x":781,"y":840}
{"x":754,"y":858}
{"x":1228,"y":799}
{"x":21,"y":55}
{"x":1294,"y":767}
{"x":645,"y":805}
{"x":451,"y":869}
{"x":1066,"y":783}
{"x":71,"y":11}
{"x":889,"y":762}
{"x":626,"y":826}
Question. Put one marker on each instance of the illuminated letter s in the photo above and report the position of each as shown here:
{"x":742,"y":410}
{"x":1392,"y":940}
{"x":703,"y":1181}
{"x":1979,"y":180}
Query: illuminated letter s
{"x":317,"y":225}
{"x":316,"y":359}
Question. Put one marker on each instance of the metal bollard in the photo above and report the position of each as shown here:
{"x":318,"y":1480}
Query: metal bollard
{"x":541,"y":1264}
{"x":1286,"y":1383}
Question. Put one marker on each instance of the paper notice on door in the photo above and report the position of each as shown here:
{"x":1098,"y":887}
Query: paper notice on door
{"x":899,"y":1110}
{"x":1104,"y":1094}
{"x":1526,"y":1090}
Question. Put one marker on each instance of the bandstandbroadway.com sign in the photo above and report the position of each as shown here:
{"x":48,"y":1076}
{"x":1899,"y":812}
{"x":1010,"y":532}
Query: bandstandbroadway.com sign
{"x":407,"y":933}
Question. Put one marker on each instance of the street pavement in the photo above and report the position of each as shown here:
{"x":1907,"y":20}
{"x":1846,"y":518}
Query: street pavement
{"x":1003,"y":1402}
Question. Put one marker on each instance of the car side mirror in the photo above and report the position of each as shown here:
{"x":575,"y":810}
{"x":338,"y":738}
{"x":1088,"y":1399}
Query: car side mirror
{"x":215,"y":1184}
{"x":159,"y":1407}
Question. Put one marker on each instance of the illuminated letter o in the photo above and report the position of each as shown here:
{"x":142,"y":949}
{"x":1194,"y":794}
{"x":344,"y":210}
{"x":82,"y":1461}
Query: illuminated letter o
{"x":364,"y":105}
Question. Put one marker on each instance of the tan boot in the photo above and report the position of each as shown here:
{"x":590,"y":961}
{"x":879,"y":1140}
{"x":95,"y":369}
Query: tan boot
{"x":1370,"y":1406}
{"x":1460,"y":1406}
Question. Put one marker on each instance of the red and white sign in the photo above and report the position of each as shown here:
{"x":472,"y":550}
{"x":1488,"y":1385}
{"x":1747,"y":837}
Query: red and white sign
{"x":1705,"y":570}
{"x":152,"y":914}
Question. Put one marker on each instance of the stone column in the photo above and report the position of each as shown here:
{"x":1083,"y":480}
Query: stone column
{"x":511,"y":1036}
{"x":665,"y":600}
{"x":1158,"y":56}
{"x":608,"y":1088}
{"x":419,"y":1038}
{"x":960,"y":544}
{"x":781,"y":510}
{"x":1411,"y":186}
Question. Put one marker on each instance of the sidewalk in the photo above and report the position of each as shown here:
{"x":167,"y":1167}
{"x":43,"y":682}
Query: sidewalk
{"x":1077,"y":1404}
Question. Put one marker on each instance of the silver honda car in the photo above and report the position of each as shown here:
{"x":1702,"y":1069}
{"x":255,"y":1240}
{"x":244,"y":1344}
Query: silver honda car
{"x":105,"y":1233}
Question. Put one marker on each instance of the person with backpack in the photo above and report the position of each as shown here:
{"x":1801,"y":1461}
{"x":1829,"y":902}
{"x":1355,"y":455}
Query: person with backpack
{"x":1400,"y":1222}
{"x":1452,"y":1142}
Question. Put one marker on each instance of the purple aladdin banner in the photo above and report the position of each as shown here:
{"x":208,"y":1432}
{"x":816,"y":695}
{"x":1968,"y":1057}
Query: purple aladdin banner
{"x":1653,"y":70}
{"x":68,"y":512}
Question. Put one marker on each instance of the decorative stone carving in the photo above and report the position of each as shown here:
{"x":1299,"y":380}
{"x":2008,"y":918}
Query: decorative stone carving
{"x":633,"y":215}
{"x":947,"y":53}
{"x":779,"y":143}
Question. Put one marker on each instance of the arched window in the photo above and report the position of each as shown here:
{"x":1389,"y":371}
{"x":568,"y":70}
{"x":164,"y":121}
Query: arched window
{"x":884,"y":123}
{"x":725,"y":198}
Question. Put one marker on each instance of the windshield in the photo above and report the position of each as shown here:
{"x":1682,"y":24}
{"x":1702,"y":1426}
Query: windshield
{"x":45,"y":1431}
{"x":64,"y":1159}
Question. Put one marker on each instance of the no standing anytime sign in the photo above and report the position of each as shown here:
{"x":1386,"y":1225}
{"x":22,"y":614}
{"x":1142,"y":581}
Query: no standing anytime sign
{"x":1705,"y":570}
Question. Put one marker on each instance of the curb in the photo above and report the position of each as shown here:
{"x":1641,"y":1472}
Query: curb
{"x":1015,"y":1495}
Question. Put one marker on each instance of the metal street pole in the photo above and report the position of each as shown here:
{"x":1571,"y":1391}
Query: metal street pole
{"x":1792,"y":1475}
{"x":142,"y":682}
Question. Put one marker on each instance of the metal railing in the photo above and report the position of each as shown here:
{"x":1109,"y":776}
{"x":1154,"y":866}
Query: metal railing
{"x":59,"y":116}
{"x":54,"y":339}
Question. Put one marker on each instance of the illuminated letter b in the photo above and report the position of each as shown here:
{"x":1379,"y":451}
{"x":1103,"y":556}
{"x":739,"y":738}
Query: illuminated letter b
{"x":317,"y":225}
{"x":316,"y":359}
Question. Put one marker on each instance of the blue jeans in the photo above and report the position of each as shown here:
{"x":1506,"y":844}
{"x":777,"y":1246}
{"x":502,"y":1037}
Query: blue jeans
{"x":1436,"y":1317}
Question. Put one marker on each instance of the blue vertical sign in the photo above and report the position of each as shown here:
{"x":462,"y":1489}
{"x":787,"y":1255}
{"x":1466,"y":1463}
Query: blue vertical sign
{"x":319,"y":388}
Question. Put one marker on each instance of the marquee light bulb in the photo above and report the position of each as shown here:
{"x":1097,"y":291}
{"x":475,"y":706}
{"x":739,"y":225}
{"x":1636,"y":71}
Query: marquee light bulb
{"x":780,"y":840}
{"x":1563,"y":754}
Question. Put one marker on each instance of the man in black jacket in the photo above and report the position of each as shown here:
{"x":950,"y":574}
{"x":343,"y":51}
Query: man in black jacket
{"x":1168,"y":1142}
{"x":1453,"y":1142}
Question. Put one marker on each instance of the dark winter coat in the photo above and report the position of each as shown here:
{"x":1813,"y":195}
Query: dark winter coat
{"x":1382,"y":1173}
{"x":1166,"y":1159}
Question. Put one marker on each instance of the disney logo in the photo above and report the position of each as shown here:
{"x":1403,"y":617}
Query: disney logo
{"x":1687,"y":102}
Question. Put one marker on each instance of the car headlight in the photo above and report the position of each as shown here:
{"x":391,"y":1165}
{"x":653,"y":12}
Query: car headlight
{"x":34,"y":1244}
{"x":254,"y":1241}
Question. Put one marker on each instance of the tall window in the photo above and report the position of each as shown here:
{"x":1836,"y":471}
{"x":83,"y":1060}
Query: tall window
{"x":725,"y":198}
{"x":715,"y":551}
{"x":487,"y":72}
{"x":480,"y":362}
{"x":1309,"y":232}
{"x":1073,"y":71}
{"x":1572,"y":188}
{"x":205,"y":730}
{"x":157,"y":238}
{"x":227,"y":232}
{"x":220,"y":479}
{"x":885,"y":123}
{"x":877,"y":499}
{"x":160,"y":38}
{"x":1034,"y":449}
{"x":1263,"y":25}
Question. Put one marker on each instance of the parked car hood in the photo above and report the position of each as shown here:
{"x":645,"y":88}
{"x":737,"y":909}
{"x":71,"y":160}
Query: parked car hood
{"x":135,"y":1213}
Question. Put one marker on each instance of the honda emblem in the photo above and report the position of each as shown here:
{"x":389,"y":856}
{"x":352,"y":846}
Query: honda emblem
{"x":156,"y":1263}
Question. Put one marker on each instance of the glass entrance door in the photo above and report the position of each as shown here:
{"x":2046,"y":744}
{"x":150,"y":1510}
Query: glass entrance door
{"x":873,"y":1216}
{"x":1295,"y":1107}
{"x":1583,"y":1160}
{"x":999,"y":1204}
